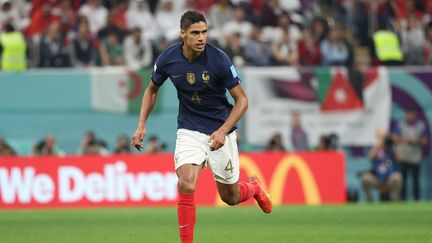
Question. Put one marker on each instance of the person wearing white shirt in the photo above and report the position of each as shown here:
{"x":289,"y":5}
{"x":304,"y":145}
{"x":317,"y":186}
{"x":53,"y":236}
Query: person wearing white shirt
{"x":238,"y":25}
{"x":167,"y":18}
{"x":96,"y":13}
{"x":138,"y":50}
{"x":139,"y":15}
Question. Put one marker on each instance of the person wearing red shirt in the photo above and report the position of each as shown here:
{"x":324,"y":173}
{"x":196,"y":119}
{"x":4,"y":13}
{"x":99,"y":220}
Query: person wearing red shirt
{"x":308,"y":49}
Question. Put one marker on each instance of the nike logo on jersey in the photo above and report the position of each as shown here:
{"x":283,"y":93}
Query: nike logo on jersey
{"x":182,"y":226}
{"x":176,"y":76}
{"x":228,"y":178}
{"x":224,"y":179}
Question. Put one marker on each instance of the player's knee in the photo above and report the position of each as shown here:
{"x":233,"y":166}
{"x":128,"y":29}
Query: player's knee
{"x":186,"y":186}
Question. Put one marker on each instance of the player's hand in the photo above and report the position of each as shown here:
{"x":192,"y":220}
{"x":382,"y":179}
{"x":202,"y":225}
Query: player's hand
{"x":137,"y":139}
{"x":217,"y":139}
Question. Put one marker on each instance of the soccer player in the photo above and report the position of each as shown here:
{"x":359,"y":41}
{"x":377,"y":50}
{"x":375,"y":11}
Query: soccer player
{"x":206,"y":133}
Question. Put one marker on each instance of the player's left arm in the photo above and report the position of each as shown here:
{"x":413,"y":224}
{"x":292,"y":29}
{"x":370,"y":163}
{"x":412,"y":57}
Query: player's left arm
{"x":240,"y":107}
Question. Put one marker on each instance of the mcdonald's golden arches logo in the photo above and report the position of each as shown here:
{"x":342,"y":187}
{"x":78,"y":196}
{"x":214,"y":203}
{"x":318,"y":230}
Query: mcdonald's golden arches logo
{"x":279,"y":177}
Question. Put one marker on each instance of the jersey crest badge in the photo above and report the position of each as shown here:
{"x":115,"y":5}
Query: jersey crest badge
{"x":190,"y":77}
{"x":205,"y":77}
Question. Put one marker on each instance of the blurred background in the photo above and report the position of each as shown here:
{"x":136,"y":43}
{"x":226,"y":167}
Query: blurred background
{"x":352,"y":77}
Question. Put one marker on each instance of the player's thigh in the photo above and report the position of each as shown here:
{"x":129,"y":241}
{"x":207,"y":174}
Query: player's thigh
{"x":189,"y":149}
{"x":224,"y":162}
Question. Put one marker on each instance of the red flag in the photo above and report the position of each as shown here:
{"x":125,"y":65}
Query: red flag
{"x":341,"y":95}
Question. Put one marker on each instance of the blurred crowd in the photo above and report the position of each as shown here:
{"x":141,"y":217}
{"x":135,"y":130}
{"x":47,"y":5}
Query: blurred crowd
{"x":83,"y":33}
{"x":90,"y":145}
{"x":131,"y":33}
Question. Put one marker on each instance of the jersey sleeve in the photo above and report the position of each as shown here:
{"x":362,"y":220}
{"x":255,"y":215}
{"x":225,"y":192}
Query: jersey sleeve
{"x":228,"y":72}
{"x":159,"y":75}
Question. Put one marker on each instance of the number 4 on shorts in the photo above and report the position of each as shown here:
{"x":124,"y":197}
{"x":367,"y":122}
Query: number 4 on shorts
{"x":229,"y":166}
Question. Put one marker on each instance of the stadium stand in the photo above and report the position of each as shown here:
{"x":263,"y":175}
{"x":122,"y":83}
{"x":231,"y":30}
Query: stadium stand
{"x":65,"y":39}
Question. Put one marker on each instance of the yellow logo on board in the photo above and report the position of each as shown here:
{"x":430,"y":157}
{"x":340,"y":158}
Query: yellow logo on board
{"x":289,"y":162}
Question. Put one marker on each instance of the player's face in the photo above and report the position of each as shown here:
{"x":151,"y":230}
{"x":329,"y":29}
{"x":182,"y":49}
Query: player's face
{"x":195,"y":37}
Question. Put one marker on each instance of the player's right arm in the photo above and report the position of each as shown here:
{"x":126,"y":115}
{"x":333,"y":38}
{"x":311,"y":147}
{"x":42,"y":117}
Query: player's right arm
{"x":148,"y":102}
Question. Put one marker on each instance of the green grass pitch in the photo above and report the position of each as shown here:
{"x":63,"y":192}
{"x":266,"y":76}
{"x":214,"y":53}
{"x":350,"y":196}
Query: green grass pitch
{"x":411,"y":222}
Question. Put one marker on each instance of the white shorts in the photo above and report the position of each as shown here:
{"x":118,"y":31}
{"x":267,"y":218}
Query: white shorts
{"x":194,"y":148}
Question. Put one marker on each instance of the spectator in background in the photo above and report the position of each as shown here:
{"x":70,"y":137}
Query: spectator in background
{"x":411,"y":137}
{"x":138,"y":51}
{"x":319,"y":30}
{"x":275,"y":143}
{"x":83,"y":47}
{"x":153,"y":145}
{"x":68,"y":16}
{"x":53,"y":52}
{"x":385,"y":47}
{"x":238,"y":25}
{"x":95,"y":148}
{"x":276,"y":34}
{"x":290,"y":5}
{"x":335,"y":51}
{"x":88,"y":137}
{"x":257,"y":52}
{"x":428,"y":12}
{"x":413,"y":41}
{"x":285,"y":24}
{"x":111,"y":51}
{"x":328,"y":142}
{"x":91,"y":145}
{"x":5,"y":148}
{"x":384,"y":175}
{"x":47,"y":147}
{"x":96,"y":13}
{"x":201,"y":5}
{"x":218,"y":15}
{"x":11,"y":15}
{"x":166,"y":19}
{"x":41,"y":19}
{"x":12,"y":49}
{"x":110,"y":28}
{"x":235,"y":50}
{"x":73,"y":31}
{"x":139,"y":15}
{"x":322,"y":143}
{"x":270,"y":13}
{"x":161,"y":45}
{"x":308,"y":50}
{"x":428,"y":44}
{"x":299,"y":138}
{"x":360,"y":19}
{"x":118,"y":12}
{"x":414,"y":8}
{"x":122,"y":146}
{"x":285,"y":52}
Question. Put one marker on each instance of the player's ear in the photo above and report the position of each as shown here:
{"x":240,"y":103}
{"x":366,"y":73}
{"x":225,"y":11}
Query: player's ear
{"x":182,"y":34}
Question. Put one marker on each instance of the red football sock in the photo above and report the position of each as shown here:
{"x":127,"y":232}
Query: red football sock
{"x":247,"y":191}
{"x":186,"y":213}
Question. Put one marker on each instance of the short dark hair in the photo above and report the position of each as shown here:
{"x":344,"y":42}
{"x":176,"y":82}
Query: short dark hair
{"x":191,"y":17}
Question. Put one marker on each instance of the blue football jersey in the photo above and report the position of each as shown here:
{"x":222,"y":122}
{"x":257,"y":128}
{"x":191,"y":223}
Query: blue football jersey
{"x":201,"y":86}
